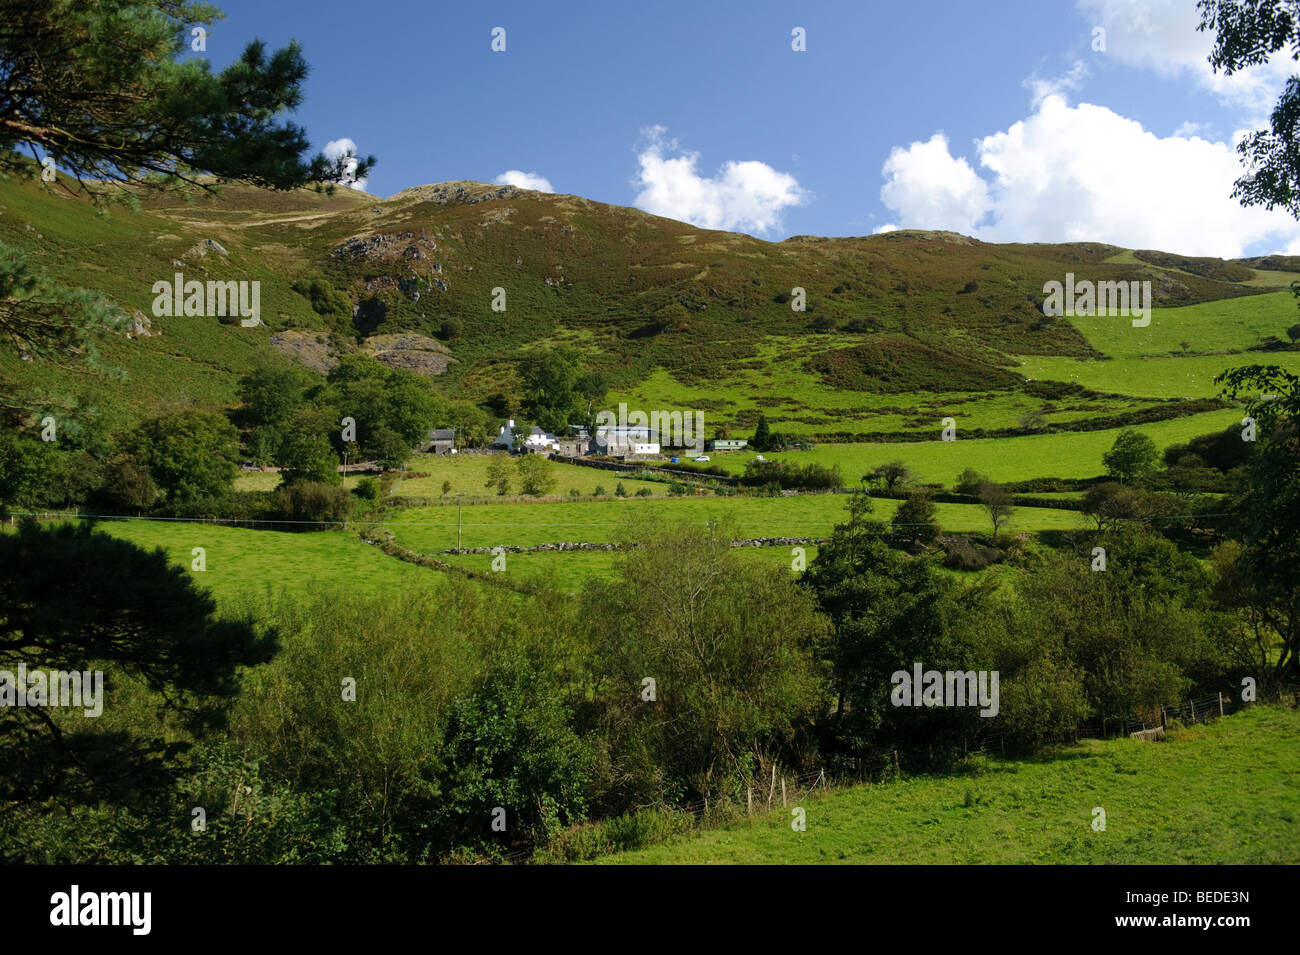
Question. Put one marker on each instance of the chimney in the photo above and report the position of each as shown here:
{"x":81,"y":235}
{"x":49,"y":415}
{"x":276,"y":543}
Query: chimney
{"x":512,"y":424}
{"x":503,"y":430}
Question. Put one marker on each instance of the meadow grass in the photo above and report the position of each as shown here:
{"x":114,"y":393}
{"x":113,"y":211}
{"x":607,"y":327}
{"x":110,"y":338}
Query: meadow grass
{"x":1063,"y":454}
{"x":1190,"y":376}
{"x":527,"y":524}
{"x":243,"y":562}
{"x":1223,"y":793}
{"x":1220,"y":327}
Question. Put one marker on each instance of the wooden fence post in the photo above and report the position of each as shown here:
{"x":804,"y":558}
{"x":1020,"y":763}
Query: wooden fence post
{"x":1220,"y":706}
{"x":783,"y":803}
{"x":749,"y":799}
{"x":771,"y":790}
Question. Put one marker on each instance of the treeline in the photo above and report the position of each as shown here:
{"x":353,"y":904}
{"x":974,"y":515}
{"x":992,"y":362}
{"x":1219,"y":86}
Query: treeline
{"x":184,"y":463}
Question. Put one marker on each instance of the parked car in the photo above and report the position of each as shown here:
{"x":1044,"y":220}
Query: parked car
{"x":702,"y":459}
{"x":249,"y":466}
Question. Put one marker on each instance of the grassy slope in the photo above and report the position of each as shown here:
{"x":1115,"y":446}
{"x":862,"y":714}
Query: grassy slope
{"x":1228,"y":792}
{"x":1066,"y":454}
{"x":596,"y":276}
{"x":1151,"y":362}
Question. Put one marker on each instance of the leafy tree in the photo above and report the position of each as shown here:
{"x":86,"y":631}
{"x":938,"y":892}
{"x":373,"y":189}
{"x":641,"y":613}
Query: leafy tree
{"x":549,"y":379}
{"x":125,"y":484}
{"x":388,"y":449}
{"x":446,"y":488}
{"x":368,"y":490}
{"x":306,"y":453}
{"x":590,"y":387}
{"x":498,"y":474}
{"x":620,"y":490}
{"x":887,"y":611}
{"x":996,"y":501}
{"x":190,"y":454}
{"x":1268,"y":513}
{"x":271,"y":394}
{"x":729,"y":646}
{"x":913,"y":523}
{"x":1247,"y":33}
{"x":1293,"y":333}
{"x":1110,"y":502}
{"x":135,"y":613}
{"x":890,"y":475}
{"x":536,"y":475}
{"x":762,"y":439}
{"x":40,"y":318}
{"x":969,"y":481}
{"x":117,"y":103}
{"x":24,"y":464}
{"x":1132,"y":457}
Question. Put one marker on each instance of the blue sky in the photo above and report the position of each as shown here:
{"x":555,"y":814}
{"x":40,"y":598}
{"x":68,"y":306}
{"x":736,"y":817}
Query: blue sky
{"x":998,"y":120}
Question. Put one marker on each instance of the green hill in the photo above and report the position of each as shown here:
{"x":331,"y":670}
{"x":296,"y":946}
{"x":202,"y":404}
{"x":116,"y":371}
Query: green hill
{"x":668,"y":311}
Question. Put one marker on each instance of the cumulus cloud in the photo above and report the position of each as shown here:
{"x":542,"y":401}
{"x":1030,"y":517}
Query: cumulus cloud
{"x":340,"y":147}
{"x":1083,"y":173}
{"x":928,"y":188}
{"x":1161,"y":35}
{"x":743,"y":196}
{"x":524,"y":180}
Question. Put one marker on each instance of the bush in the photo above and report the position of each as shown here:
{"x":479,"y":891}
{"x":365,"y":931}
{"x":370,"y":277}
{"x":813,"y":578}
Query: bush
{"x":620,"y":490}
{"x":643,"y":492}
{"x":312,"y":501}
{"x":599,"y":491}
{"x":367,"y":489}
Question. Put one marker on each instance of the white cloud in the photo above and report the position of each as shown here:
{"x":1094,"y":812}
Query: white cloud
{"x":1083,"y":173}
{"x":1161,"y":35}
{"x":743,"y":196}
{"x":524,"y":180}
{"x":887,"y":227}
{"x":1041,"y":88}
{"x":930,"y":189}
{"x":339,"y":147}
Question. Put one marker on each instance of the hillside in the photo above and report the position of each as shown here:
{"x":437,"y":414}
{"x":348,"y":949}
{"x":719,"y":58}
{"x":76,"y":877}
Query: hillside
{"x":674,"y":315}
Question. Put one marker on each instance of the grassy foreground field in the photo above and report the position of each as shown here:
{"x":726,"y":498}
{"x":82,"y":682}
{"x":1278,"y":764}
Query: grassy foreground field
{"x":1226,"y":792}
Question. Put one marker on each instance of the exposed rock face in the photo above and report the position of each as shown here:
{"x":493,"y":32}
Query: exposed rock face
{"x":201,"y":249}
{"x":387,"y":246}
{"x":139,"y":325}
{"x":417,"y":353}
{"x":310,"y":348}
{"x":457,"y":193}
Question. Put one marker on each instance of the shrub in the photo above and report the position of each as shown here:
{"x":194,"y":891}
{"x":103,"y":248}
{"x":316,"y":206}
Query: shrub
{"x":367,"y":489}
{"x":312,"y":501}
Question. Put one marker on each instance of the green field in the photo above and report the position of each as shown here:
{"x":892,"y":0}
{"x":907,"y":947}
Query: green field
{"x":1223,"y":793}
{"x":1064,"y":454}
{"x":242,"y":562}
